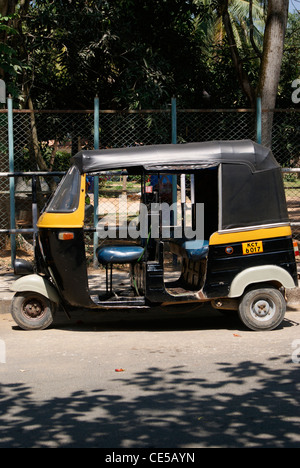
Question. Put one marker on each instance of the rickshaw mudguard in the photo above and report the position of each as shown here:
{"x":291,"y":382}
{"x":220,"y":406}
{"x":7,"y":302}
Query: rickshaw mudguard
{"x":260,"y":274}
{"x":38,"y":284}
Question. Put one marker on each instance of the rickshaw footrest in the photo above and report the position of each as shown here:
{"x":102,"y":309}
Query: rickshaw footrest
{"x":123,"y":303}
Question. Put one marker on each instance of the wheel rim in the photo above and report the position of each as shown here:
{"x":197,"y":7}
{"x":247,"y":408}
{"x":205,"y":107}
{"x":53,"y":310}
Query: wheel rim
{"x":33,"y":309}
{"x":263,"y":310}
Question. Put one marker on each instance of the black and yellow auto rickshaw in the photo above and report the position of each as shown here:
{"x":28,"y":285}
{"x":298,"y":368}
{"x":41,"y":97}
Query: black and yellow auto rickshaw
{"x":237,"y":254}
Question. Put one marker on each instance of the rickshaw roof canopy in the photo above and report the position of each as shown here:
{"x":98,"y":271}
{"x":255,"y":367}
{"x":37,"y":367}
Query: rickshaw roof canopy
{"x":170,"y":156}
{"x":250,"y":187}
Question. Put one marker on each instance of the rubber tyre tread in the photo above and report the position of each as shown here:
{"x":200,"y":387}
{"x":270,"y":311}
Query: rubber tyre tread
{"x":265,"y":293}
{"x":27,"y":323}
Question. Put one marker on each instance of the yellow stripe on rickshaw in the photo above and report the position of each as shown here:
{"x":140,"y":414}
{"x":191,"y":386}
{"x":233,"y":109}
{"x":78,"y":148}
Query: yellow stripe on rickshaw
{"x":231,"y":237}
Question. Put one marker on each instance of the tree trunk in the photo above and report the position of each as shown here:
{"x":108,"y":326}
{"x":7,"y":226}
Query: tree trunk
{"x":269,"y":76}
{"x":237,"y":61}
{"x":271,"y":60}
{"x":7,"y":7}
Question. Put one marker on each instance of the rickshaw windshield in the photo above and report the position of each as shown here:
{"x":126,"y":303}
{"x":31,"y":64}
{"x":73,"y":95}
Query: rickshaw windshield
{"x":66,"y":197}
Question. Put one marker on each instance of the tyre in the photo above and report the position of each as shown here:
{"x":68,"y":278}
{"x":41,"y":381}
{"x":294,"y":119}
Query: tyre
{"x":262,"y":309}
{"x":32,"y":311}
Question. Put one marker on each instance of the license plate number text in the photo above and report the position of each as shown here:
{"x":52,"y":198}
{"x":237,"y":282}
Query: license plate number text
{"x":252,"y":247}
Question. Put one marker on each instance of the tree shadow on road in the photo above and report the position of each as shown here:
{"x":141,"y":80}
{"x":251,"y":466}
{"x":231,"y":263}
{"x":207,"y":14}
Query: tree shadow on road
{"x":167,"y":409}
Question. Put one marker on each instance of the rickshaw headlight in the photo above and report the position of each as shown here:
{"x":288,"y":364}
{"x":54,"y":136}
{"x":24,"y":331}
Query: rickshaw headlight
{"x":66,"y":235}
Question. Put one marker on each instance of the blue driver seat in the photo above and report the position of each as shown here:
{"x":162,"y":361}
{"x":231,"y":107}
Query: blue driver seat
{"x":118,"y":254}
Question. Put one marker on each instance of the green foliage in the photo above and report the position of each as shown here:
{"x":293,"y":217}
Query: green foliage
{"x":133,"y":54}
{"x":291,"y":63}
{"x":10,"y":65}
{"x":59,"y":163}
{"x":136,"y":54}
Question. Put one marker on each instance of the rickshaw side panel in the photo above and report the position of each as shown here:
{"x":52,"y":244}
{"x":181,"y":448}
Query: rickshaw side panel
{"x":226,"y":261}
{"x":66,"y":263}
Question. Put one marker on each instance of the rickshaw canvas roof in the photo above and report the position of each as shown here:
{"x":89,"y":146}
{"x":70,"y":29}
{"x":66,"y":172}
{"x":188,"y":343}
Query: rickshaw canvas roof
{"x":246,"y":152}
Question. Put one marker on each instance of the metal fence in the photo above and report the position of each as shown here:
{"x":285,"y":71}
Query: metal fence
{"x":31,"y":142}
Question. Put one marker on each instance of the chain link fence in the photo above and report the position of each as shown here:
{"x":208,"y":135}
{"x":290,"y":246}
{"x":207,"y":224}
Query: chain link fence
{"x":46,"y":140}
{"x":286,"y":149}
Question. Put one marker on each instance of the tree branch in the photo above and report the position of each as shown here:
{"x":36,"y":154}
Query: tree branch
{"x":255,"y":48}
{"x":237,"y":61}
{"x":271,"y":62}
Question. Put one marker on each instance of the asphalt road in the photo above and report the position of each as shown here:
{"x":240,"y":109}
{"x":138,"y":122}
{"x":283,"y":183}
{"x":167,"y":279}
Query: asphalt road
{"x":170,"y":381}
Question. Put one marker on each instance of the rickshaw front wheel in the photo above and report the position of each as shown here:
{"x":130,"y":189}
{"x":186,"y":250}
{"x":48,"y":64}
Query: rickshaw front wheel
{"x":32,"y":311}
{"x":262,"y":308}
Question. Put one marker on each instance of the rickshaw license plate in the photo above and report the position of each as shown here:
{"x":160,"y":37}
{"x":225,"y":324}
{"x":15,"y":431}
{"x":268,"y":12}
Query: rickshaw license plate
{"x":252,"y":247}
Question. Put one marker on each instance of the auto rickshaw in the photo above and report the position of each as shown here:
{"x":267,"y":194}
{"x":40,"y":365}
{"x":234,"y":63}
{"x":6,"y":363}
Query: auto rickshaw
{"x":234,"y":245}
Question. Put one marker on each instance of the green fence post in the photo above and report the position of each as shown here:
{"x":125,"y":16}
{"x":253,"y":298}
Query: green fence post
{"x":174,"y":120}
{"x":96,"y":179}
{"x":258,"y":120}
{"x":11,"y":179}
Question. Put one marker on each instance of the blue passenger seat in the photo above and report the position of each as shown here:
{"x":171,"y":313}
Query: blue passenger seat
{"x":193,"y":249}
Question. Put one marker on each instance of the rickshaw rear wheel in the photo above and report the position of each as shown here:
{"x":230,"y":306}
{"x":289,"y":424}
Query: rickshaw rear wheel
{"x":262,"y":309}
{"x":32,"y":311}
